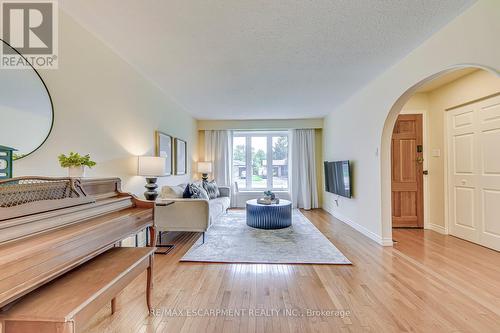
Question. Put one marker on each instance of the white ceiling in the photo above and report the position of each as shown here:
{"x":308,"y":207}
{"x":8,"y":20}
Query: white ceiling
{"x":262,"y":59}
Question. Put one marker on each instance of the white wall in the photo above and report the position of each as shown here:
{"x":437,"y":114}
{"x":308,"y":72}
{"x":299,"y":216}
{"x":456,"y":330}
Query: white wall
{"x":358,"y":129}
{"x":261,"y":124}
{"x":104,"y":107}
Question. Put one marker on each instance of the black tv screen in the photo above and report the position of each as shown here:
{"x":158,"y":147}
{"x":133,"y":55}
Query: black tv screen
{"x":338,"y":178}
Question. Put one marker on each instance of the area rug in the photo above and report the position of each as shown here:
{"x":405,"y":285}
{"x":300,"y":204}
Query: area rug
{"x":231,"y":240}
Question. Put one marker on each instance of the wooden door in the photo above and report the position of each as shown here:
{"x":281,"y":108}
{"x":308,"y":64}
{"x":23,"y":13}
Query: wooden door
{"x":474,"y":172}
{"x":407,"y":172}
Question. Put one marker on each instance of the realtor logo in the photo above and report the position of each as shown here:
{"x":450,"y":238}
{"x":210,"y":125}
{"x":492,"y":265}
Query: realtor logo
{"x":30,"y":27}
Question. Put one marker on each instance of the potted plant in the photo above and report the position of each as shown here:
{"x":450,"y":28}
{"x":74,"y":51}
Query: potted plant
{"x":76,"y":163}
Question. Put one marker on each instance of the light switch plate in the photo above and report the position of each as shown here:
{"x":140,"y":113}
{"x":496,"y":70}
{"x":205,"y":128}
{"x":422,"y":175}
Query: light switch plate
{"x":436,"y":152}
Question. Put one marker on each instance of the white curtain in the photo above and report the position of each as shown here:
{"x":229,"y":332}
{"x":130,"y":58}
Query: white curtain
{"x":219,"y":151}
{"x":303,"y":186}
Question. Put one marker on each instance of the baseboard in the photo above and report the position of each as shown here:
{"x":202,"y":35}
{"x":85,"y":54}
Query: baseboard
{"x":373,"y":236}
{"x":438,"y":228}
{"x":386,"y":242}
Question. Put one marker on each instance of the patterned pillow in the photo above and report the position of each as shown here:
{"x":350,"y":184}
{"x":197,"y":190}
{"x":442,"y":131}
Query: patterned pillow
{"x":187,"y":192}
{"x":212,"y":189}
{"x":198,"y":192}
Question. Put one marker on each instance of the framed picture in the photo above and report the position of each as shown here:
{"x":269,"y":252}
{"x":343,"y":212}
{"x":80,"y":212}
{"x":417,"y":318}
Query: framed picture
{"x":164,"y":148}
{"x":180,"y":157}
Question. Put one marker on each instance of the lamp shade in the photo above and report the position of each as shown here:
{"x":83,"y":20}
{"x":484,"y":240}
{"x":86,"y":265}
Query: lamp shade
{"x":204,"y":167}
{"x":151,"y":166}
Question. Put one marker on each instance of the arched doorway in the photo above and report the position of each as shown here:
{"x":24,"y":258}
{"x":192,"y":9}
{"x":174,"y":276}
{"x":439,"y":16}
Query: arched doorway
{"x":387,"y":138}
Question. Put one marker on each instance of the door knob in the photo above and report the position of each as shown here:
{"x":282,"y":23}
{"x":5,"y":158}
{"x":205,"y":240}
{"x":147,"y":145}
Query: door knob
{"x":426,"y":172}
{"x":420,"y":160}
{"x":463,"y":182}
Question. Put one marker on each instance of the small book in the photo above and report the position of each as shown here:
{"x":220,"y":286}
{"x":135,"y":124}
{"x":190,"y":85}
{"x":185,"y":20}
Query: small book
{"x":264,"y":201}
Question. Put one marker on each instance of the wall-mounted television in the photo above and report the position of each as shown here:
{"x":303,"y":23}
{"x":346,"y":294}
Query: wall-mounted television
{"x":338,"y":178}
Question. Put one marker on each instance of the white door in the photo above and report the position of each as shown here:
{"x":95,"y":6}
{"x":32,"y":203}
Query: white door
{"x":474,"y":172}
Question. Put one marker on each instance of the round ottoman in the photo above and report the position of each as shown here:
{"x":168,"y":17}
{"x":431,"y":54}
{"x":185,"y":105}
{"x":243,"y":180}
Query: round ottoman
{"x":274,"y":216}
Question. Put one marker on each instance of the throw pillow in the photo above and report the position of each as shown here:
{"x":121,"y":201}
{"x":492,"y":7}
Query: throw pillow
{"x":187,"y":192}
{"x":212,"y":189}
{"x":198,"y":192}
{"x":172,"y":191}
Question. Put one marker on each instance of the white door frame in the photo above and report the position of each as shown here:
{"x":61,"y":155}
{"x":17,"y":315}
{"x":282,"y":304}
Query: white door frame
{"x":446,"y":170}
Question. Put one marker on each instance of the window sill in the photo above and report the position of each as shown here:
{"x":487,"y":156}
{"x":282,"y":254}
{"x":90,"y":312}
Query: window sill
{"x":262,"y":191}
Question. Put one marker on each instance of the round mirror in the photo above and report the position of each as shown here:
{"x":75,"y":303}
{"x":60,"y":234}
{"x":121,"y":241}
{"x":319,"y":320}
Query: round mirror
{"x":25,"y":110}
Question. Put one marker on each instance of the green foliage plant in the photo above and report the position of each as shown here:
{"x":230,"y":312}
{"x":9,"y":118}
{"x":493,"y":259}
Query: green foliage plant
{"x":75,"y":160}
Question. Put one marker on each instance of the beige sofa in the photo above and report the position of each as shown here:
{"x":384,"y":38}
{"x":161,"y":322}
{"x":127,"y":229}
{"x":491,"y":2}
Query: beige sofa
{"x":193,"y":215}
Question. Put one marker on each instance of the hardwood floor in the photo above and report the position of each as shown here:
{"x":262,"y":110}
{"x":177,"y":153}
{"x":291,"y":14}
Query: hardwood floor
{"x":427,"y":282}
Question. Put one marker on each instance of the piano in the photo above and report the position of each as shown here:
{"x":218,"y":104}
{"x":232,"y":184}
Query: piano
{"x":50,"y":226}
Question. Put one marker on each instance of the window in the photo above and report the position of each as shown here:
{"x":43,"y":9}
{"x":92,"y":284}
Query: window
{"x":260,"y":160}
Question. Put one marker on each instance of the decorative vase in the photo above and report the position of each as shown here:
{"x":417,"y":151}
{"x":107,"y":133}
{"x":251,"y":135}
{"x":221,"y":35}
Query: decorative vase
{"x":76,"y":171}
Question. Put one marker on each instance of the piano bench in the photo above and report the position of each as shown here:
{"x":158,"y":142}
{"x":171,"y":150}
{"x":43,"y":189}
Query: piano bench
{"x":66,"y":304}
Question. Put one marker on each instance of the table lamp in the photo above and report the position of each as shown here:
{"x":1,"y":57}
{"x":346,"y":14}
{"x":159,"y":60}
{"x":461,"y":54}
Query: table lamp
{"x":204,"y":168}
{"x":151,"y":167}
